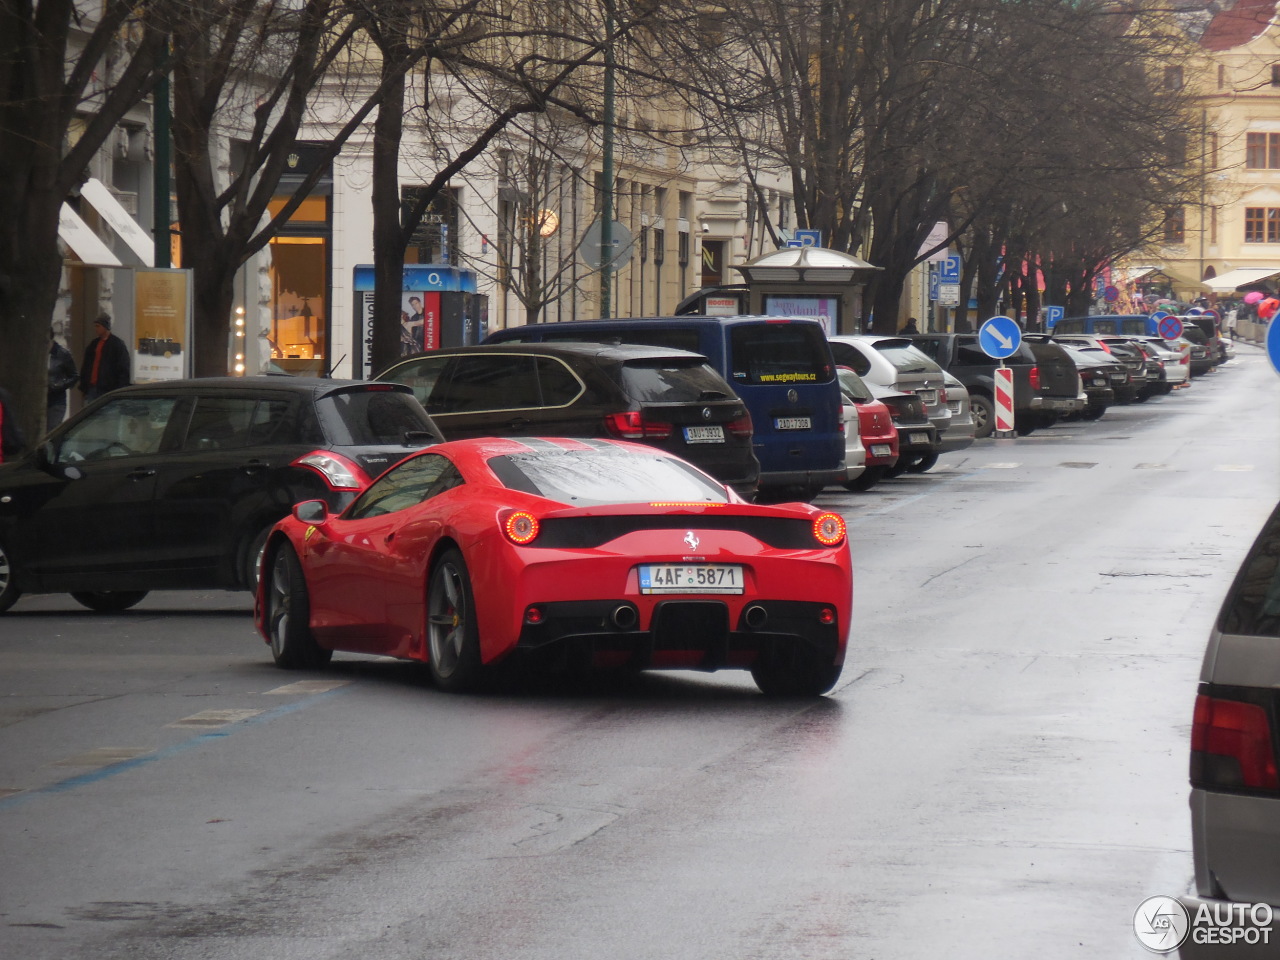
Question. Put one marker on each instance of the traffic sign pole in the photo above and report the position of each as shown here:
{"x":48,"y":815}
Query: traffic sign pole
{"x":1004,"y":401}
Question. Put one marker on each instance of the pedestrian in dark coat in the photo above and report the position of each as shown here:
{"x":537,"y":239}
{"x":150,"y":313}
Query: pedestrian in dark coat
{"x":106,"y":364}
{"x":62,"y":377}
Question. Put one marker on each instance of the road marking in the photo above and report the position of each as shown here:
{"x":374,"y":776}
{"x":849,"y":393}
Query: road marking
{"x":133,"y":762}
{"x":1001,"y":466}
{"x":214,"y":718}
{"x":1234,"y":467}
{"x":1151,"y":466}
{"x":1078,"y":465}
{"x":303,"y":687}
{"x":102,"y":756}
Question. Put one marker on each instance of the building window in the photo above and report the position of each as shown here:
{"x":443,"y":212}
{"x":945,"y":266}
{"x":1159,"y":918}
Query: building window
{"x":1262,"y":151}
{"x":1222,"y":76}
{"x":1275,"y":74}
{"x":435,"y":238}
{"x":1213,"y":224}
{"x":1175,"y":225}
{"x":1262,"y":225}
{"x":1173,"y":78}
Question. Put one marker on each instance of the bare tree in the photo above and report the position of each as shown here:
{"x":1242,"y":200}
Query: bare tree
{"x":60,"y":65}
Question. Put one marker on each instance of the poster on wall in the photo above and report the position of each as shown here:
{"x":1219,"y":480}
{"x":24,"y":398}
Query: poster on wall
{"x":162,"y":322}
{"x":825,"y":309}
{"x":419,"y":322}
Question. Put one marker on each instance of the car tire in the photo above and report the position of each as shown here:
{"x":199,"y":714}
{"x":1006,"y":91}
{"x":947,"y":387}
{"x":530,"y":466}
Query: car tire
{"x":865,"y":480}
{"x":924,"y":463}
{"x":794,"y":672}
{"x":109,"y":601}
{"x":984,"y":415}
{"x":288,"y":615}
{"x":901,"y":465}
{"x":9,"y":592}
{"x":1093,"y":413}
{"x":453,"y":638}
{"x":251,"y":558}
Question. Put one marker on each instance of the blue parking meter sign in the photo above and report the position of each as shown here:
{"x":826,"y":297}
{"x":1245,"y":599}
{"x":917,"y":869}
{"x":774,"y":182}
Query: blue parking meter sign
{"x":808,"y":238}
{"x":1052,"y":315}
{"x":949,"y":269}
{"x":1000,"y":337}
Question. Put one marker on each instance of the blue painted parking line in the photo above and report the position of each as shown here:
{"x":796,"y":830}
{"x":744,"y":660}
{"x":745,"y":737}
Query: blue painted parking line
{"x":115,"y":769}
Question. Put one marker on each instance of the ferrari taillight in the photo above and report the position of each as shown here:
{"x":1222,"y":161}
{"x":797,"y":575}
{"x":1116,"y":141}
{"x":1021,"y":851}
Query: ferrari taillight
{"x":521,"y":528}
{"x":338,"y":472}
{"x":632,"y":425}
{"x":828,"y":529}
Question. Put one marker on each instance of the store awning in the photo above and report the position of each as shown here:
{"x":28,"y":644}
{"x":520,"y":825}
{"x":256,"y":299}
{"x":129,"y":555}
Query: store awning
{"x":1229,"y":281}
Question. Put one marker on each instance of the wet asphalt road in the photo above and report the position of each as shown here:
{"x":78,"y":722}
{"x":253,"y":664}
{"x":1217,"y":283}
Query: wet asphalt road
{"x":1001,"y":771}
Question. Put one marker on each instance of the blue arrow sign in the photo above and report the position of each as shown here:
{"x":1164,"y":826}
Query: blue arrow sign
{"x":1000,"y":337}
{"x":1170,"y":327}
{"x":1273,"y":344}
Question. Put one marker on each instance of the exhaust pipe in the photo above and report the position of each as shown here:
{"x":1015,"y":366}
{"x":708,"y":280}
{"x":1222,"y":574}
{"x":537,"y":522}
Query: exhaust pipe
{"x":755,"y":616}
{"x":624,"y":617}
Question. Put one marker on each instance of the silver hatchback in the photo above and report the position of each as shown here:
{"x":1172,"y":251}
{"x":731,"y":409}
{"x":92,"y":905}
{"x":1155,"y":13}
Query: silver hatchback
{"x":1235,"y":783}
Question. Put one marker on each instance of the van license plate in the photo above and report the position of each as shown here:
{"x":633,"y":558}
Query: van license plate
{"x":713,"y":434}
{"x":792,"y":423}
{"x":917,"y":438}
{"x":690,"y":578}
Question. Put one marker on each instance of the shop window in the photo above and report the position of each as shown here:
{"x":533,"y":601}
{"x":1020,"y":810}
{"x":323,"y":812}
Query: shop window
{"x":299,"y":282}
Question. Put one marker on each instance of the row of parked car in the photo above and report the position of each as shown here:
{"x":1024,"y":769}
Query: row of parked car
{"x":176,"y":484}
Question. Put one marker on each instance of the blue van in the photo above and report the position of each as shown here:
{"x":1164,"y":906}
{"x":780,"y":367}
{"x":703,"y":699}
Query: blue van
{"x":1116,"y":324}
{"x":781,"y":367}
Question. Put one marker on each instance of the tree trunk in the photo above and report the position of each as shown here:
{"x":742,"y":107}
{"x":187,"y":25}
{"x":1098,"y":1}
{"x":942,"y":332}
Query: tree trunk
{"x":27,"y":299}
{"x":389,"y":235}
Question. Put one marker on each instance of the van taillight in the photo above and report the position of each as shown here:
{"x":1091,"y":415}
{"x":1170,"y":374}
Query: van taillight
{"x":338,"y":472}
{"x":631,"y":425}
{"x":1231,"y":746}
{"x":1035,"y":378}
{"x":740,"y":427}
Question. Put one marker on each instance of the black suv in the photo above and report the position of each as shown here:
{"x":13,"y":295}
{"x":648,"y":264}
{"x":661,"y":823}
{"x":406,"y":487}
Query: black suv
{"x":661,"y":396}
{"x":1044,"y":386}
{"x":174,"y":485}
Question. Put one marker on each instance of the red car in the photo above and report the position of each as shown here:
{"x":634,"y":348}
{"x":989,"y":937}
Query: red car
{"x":597,"y":552}
{"x":875,"y":422}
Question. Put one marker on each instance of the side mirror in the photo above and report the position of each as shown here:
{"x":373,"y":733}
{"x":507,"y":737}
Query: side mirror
{"x":311,"y":511}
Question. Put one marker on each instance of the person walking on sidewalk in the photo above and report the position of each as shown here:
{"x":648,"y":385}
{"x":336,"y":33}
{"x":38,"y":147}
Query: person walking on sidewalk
{"x":106,"y":362}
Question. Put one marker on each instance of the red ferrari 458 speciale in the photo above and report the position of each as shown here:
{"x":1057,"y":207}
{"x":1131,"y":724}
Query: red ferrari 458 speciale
{"x":604,"y":553}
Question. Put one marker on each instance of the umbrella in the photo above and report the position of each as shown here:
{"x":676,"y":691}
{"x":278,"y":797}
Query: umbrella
{"x":1253,"y":296}
{"x":1267,"y":308}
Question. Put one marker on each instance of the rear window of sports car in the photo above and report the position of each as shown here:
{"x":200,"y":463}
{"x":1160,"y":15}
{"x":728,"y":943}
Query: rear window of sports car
{"x":582,"y":478}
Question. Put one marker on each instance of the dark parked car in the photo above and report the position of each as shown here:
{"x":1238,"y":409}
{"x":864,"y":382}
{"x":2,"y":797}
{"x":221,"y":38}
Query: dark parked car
{"x":1099,"y":372}
{"x":661,"y":396}
{"x":961,"y":355}
{"x":918,"y":443}
{"x":1204,"y":358}
{"x":175,"y":485}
